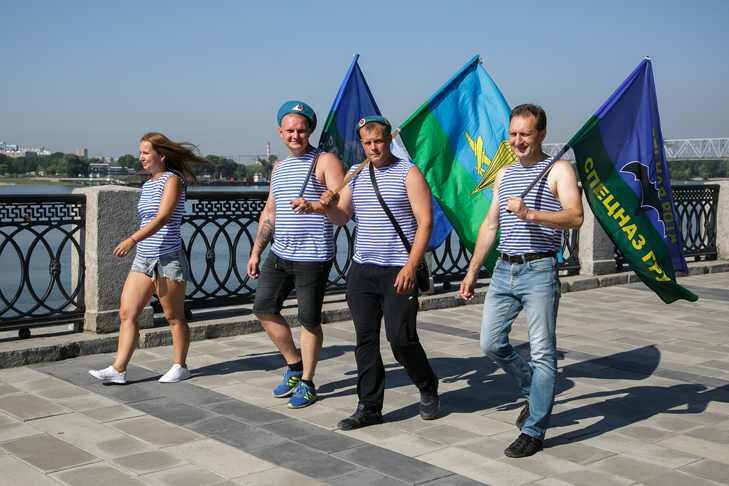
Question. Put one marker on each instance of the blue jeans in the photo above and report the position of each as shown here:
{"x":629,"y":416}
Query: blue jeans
{"x":533,"y":286}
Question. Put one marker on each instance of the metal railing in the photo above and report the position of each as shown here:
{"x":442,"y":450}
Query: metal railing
{"x":42,"y":259}
{"x":42,"y":251}
{"x":696,"y":208}
{"x":219,"y":228}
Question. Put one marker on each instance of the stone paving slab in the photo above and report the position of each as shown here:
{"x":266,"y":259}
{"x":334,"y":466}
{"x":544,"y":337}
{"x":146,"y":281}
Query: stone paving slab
{"x":642,"y":399}
{"x":95,"y":475}
{"x":47,"y":453}
{"x":16,"y":472}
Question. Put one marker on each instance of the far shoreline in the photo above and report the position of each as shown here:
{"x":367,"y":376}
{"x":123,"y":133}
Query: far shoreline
{"x":80,"y":182}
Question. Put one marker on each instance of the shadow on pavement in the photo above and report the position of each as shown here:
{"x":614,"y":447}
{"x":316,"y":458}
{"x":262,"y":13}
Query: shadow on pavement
{"x":263,"y":361}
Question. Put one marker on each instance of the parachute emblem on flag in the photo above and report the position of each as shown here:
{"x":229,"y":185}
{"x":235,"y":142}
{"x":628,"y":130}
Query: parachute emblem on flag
{"x":503,"y":157}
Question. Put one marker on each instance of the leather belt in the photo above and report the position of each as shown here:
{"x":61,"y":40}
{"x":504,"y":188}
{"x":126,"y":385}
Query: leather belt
{"x":527,"y":257}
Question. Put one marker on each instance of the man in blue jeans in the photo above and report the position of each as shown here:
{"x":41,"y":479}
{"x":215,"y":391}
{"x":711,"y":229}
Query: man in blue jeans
{"x":525,"y":275}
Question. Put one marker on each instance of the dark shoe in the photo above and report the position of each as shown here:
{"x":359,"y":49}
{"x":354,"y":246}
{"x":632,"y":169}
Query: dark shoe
{"x":523,"y":415}
{"x":523,"y":446}
{"x":429,"y":406}
{"x":360,"y":418}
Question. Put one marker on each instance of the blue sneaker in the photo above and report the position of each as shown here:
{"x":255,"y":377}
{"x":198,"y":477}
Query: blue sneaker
{"x":288,"y":383}
{"x":304,"y":395}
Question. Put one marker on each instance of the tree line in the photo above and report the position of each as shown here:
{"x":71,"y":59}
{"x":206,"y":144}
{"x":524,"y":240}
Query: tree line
{"x":60,"y":164}
{"x":221,"y":168}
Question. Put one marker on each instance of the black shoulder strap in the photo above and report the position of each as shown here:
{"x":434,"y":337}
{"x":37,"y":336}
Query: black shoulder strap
{"x":405,"y":241}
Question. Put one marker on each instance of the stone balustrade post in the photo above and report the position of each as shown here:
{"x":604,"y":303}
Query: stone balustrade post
{"x":596,"y":250}
{"x":111,"y":216}
{"x":722,"y":221}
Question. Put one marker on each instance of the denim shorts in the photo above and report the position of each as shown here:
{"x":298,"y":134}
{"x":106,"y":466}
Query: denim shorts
{"x":172,"y":266}
{"x":280,"y":276}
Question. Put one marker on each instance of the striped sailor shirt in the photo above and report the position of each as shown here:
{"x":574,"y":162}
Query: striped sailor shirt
{"x":376,"y":241}
{"x":299,"y":237}
{"x":519,"y":237}
{"x":167,"y":239}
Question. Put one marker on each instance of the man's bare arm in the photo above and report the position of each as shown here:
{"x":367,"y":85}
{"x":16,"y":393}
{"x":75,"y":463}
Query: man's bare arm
{"x":484,"y":242}
{"x":266,"y":226}
{"x":563,"y":182}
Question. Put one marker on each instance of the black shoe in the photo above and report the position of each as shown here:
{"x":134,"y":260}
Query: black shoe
{"x":523,"y":446}
{"x":360,"y":418}
{"x":523,"y":415}
{"x":429,"y":406}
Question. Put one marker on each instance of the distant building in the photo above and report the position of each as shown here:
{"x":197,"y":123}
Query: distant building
{"x":102,"y":170}
{"x":15,"y":150}
{"x":117,"y":170}
{"x":82,"y":152}
{"x":99,"y":170}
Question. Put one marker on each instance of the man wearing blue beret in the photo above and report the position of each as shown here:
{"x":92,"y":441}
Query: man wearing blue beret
{"x":381,"y":278}
{"x":302,"y":251}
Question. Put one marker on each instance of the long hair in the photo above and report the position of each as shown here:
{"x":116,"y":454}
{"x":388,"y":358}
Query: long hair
{"x":178,"y":156}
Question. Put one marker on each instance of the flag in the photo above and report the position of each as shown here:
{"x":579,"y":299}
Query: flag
{"x":622,"y":166}
{"x":459,"y":140}
{"x":441,"y":226}
{"x":354,"y":101}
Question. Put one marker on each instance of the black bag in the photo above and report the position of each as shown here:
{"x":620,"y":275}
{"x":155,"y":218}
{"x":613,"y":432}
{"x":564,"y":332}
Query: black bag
{"x":422,"y":277}
{"x":422,"y":273}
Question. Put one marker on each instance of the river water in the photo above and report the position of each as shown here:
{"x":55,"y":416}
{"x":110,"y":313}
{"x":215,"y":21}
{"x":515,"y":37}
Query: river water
{"x":11,"y":268}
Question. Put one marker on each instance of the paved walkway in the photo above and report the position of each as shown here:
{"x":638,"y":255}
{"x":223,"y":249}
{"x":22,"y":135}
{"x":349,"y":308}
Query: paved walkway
{"x":643,"y":398}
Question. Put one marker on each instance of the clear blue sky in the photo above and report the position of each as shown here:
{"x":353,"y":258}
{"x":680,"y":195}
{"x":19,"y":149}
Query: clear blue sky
{"x":99,"y":74}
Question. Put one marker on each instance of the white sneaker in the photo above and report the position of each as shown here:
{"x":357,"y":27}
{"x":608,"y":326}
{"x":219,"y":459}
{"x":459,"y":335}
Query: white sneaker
{"x":110,"y":374}
{"x":175,"y":374}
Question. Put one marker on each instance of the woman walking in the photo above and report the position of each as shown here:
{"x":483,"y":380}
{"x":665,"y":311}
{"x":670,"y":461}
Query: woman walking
{"x":160,"y":264}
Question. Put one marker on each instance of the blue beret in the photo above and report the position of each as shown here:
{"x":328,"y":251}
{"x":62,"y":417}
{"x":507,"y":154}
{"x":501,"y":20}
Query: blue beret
{"x":297,"y":108}
{"x":374,"y":119}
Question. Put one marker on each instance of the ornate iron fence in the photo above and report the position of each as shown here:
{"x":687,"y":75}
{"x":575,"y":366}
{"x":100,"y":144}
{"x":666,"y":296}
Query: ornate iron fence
{"x":219,"y":229}
{"x":696,"y":207}
{"x":42,"y":242}
{"x":218,"y":232}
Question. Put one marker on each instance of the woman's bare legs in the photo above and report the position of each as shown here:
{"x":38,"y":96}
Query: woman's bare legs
{"x":135,"y":297}
{"x":171,"y":295}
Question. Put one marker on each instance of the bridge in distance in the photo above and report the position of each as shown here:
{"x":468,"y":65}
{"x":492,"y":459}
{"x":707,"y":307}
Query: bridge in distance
{"x":677,"y":149}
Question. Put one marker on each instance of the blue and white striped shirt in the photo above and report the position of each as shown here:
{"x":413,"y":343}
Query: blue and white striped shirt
{"x":167,"y":239}
{"x":377,"y":242}
{"x":299,"y":237}
{"x":519,"y":237}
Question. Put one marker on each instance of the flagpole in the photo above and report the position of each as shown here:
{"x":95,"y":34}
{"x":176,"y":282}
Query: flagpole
{"x":544,"y":172}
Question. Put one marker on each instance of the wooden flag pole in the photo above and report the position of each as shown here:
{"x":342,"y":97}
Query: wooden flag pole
{"x":352,"y":175}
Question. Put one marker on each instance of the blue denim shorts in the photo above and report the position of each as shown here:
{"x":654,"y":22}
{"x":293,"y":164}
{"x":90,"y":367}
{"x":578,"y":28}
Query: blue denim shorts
{"x":172,"y":266}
